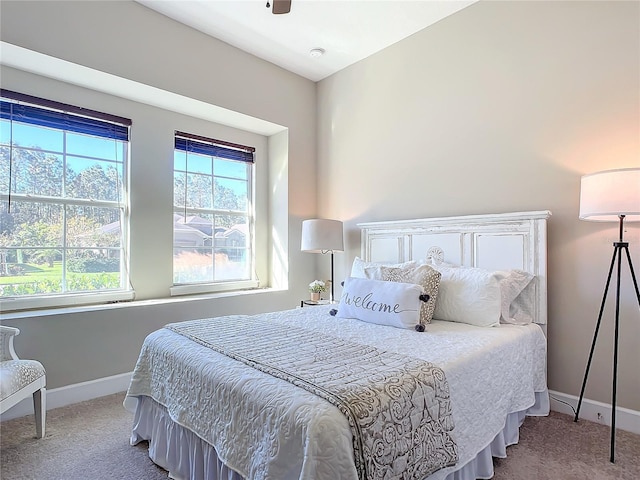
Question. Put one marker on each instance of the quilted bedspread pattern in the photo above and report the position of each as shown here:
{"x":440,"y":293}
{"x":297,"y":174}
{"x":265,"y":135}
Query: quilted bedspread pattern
{"x":397,"y":407}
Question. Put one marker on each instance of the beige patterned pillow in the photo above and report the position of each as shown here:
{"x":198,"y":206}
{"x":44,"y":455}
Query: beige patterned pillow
{"x":424,"y":275}
{"x":359,"y":267}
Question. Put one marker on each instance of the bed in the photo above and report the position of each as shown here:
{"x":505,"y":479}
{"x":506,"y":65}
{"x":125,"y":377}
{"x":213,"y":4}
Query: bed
{"x":252,"y":397}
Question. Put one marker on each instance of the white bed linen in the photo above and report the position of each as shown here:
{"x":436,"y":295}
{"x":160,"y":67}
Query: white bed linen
{"x":184,"y":454}
{"x":492,"y":372}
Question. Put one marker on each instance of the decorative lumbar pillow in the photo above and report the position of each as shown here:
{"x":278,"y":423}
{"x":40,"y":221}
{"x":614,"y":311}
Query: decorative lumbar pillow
{"x":380,"y":302}
{"x":424,"y":275}
{"x":358,"y":267}
{"x":469,"y":295}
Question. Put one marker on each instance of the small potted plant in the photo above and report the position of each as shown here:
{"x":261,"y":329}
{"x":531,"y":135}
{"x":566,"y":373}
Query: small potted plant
{"x":316,"y":288}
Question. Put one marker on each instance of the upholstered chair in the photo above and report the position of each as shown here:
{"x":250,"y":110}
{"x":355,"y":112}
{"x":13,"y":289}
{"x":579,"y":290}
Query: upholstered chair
{"x":20,"y":379}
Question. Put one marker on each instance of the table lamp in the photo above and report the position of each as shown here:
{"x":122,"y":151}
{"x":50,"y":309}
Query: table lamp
{"x":323,"y":236}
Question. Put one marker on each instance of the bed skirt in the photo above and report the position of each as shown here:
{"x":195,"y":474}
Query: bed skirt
{"x":187,"y":457}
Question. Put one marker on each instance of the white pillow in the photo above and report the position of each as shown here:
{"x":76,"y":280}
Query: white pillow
{"x":518,"y":296}
{"x":384,"y":303}
{"x":358,"y":267}
{"x":468,"y":295}
{"x":424,"y":275}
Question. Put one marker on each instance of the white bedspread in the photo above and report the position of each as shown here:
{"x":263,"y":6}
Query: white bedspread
{"x":491,"y":372}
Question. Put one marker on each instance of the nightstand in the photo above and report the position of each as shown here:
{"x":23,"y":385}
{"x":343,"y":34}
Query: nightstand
{"x":313,"y":303}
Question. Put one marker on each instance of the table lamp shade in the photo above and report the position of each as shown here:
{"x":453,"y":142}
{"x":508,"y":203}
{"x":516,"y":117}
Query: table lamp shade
{"x":604,"y":196}
{"x":322,"y":236}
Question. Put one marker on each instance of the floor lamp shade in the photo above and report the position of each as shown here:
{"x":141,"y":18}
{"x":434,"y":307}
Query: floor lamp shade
{"x":604,"y":196}
{"x":322,"y":236}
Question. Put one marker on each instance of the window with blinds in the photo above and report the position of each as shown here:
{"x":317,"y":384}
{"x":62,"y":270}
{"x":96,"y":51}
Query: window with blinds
{"x":213,"y":214}
{"x":63,"y":201}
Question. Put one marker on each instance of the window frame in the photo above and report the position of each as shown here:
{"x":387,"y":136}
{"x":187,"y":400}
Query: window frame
{"x":191,"y":143}
{"x":67,"y":119}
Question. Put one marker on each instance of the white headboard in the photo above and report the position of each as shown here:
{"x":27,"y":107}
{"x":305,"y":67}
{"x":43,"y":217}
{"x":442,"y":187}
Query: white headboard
{"x":494,"y":242}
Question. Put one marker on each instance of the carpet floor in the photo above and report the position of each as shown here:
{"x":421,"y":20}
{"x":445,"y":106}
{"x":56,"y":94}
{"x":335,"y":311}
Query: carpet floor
{"x":90,"y":440}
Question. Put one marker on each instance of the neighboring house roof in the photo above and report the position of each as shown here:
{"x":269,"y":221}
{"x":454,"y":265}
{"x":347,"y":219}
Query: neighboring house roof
{"x":191,"y":227}
{"x":186,"y":229}
{"x":240,"y":228}
{"x":194,"y":221}
{"x":113,"y":227}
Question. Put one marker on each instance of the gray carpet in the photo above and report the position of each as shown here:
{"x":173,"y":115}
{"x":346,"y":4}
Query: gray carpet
{"x":90,"y":440}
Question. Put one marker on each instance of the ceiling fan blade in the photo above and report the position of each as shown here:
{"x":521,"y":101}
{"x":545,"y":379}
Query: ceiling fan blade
{"x":281,"y":6}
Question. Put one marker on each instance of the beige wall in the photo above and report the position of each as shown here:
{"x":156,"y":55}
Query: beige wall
{"x":126,"y":39}
{"x":501,"y":107}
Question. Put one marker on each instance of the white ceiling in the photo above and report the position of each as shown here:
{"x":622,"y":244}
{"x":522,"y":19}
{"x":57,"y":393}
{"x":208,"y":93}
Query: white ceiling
{"x":348,"y":30}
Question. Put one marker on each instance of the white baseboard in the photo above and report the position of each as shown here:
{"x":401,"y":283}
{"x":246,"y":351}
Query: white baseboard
{"x":592,"y":410}
{"x":69,"y":394}
{"x":598,"y":412}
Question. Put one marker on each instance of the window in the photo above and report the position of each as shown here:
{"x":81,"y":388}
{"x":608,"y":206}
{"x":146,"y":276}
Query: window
{"x":63,"y":210}
{"x":213,"y":214}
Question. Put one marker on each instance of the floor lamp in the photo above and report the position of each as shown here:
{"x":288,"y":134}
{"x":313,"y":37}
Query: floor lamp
{"x":611,"y":196}
{"x":323,"y":236}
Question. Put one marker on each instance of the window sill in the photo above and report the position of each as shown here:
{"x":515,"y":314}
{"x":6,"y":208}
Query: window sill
{"x":129,"y":304}
{"x":56,"y":302}
{"x":213,"y":288}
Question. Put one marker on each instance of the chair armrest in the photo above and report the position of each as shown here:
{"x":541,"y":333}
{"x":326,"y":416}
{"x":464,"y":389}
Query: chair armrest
{"x":6,"y":343}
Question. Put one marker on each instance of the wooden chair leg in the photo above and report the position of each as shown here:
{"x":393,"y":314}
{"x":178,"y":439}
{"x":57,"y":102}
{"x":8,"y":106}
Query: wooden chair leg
{"x":40,"y":409}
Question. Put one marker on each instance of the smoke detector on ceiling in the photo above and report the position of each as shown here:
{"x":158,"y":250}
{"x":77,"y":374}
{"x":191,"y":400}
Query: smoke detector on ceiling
{"x":316,"y":52}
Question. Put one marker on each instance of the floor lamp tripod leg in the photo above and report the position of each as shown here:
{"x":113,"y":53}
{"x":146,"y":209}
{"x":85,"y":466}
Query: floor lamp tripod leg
{"x":619,"y":247}
{"x":615,"y":351}
{"x":633,"y":275}
{"x":595,"y":335}
{"x":617,"y":257}
{"x":614,"y":387}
